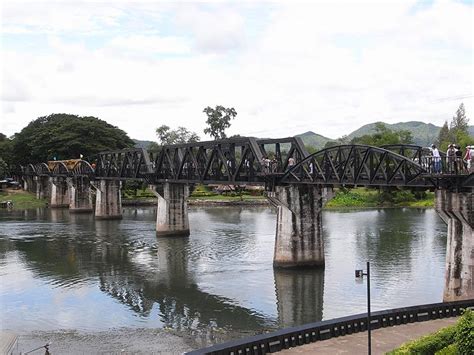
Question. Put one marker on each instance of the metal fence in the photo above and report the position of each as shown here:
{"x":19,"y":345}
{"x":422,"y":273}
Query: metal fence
{"x":309,"y":333}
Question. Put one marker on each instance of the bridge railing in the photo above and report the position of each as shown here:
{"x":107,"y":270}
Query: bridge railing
{"x":313,"y":332}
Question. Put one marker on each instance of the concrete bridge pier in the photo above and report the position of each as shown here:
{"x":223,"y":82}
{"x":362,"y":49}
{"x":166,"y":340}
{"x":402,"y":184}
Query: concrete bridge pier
{"x":59,"y":192}
{"x":42,"y":187}
{"x":299,"y":234}
{"x":29,"y":183}
{"x":108,"y":201}
{"x":80,"y":194}
{"x":172,"y":212}
{"x":456,"y":209}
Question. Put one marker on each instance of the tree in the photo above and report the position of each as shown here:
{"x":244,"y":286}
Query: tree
{"x":166,"y":135}
{"x":383,"y":136}
{"x":66,"y":136}
{"x":457,"y":132}
{"x":6,"y":150}
{"x":460,"y":122}
{"x":218,"y":120}
{"x":444,"y":137}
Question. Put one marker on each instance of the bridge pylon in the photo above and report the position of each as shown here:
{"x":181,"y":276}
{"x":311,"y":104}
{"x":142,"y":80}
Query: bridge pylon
{"x":299,"y":233}
{"x":108,"y":201}
{"x":172,"y":210}
{"x":456,"y":209}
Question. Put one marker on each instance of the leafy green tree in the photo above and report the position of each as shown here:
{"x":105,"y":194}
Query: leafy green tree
{"x":4,"y":171}
{"x":166,"y":135}
{"x":457,"y":132}
{"x":383,"y":136}
{"x":218,"y":120}
{"x":444,"y":137}
{"x":460,"y":122}
{"x":6,"y":150}
{"x":66,"y":136}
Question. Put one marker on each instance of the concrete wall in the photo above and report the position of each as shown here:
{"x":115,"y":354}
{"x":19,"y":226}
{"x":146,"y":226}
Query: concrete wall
{"x":108,"y":202}
{"x":59,"y":192}
{"x":299,"y":236}
{"x":172,"y":212}
{"x":457,"y":211}
{"x":80,"y":194}
{"x":43,"y":187}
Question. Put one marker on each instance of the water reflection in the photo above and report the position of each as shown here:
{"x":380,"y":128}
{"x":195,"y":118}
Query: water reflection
{"x":299,"y":296}
{"x":61,"y":270}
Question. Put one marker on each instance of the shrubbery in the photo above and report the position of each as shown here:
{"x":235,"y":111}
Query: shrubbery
{"x":454,"y":340}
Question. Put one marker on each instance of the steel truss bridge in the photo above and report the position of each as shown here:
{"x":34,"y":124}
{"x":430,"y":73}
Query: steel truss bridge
{"x":270,"y":162}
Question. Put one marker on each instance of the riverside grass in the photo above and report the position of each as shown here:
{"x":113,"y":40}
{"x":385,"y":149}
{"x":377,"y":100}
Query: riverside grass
{"x":22,"y":199}
{"x":457,"y":339}
{"x":344,"y":198}
{"x":362,"y":197}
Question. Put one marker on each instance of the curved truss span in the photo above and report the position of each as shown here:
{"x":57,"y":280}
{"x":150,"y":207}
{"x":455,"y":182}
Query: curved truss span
{"x":60,"y":169}
{"x":359,"y":165}
{"x":82,"y":168}
{"x":42,"y":169}
{"x":29,"y":170}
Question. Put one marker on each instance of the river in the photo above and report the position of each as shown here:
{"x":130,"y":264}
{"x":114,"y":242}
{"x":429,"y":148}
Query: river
{"x":62,"y":272}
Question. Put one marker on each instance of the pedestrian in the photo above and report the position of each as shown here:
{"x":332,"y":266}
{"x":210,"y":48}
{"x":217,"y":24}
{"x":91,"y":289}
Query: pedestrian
{"x":467,"y":158}
{"x":291,"y":162}
{"x":459,"y":163}
{"x":451,"y":158}
{"x":436,"y":159}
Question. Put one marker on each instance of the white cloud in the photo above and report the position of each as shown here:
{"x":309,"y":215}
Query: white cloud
{"x":217,"y":30}
{"x":150,"y":44}
{"x":323,"y":67}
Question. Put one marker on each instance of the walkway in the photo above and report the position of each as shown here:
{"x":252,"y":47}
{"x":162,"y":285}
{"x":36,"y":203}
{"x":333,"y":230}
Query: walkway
{"x":383,"y":339}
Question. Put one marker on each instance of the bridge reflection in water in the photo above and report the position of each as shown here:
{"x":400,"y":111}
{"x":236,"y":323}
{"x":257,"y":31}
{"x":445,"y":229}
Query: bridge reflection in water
{"x":219,"y":278}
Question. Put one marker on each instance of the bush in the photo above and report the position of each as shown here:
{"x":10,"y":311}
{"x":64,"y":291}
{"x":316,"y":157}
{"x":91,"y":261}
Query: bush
{"x":449,"y":350}
{"x":453,"y":340}
{"x":429,"y":344}
{"x":465,"y":333}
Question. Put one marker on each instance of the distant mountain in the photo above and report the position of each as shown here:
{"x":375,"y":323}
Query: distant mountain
{"x":314,"y":140}
{"x":423,"y":134}
{"x":141,"y":144}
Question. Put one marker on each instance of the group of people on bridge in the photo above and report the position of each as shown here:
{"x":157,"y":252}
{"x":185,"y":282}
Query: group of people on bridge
{"x":455,"y":162}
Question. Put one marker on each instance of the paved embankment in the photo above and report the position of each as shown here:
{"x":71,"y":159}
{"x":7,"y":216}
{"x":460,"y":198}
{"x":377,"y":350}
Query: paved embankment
{"x":383,"y":339}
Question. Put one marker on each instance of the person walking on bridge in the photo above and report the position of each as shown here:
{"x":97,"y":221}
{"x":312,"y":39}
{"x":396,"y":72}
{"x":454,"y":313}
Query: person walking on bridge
{"x":451,"y":158}
{"x":436,"y":159}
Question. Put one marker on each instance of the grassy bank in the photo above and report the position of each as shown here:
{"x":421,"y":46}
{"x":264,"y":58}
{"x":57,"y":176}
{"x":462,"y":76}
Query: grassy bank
{"x":362,"y":197}
{"x":21,"y":199}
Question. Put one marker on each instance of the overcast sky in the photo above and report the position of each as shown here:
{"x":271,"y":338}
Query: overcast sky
{"x":286,"y":67}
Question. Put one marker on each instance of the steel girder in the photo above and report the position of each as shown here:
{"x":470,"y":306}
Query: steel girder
{"x":123,"y":164}
{"x":357,"y":165}
{"x":231,"y":161}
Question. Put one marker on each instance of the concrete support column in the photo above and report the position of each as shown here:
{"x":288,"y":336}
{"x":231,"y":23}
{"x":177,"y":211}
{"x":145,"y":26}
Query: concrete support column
{"x":456,"y":209}
{"x":172,"y":212}
{"x":42,"y":187}
{"x":80,"y":194}
{"x":29,"y":183}
{"x":108,"y":199}
{"x":59,"y":192}
{"x":299,"y":233}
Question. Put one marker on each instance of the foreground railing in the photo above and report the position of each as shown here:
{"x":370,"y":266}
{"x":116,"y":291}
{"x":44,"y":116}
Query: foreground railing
{"x":309,"y":333}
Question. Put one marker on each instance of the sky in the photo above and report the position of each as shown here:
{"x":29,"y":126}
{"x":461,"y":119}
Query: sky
{"x":286,"y":67}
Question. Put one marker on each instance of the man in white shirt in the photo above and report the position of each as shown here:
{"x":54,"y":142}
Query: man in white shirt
{"x":436,"y":159}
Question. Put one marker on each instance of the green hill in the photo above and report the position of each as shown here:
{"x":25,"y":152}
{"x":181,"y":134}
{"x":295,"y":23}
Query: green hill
{"x":314,"y":140}
{"x":423,"y":134}
{"x":142,"y":144}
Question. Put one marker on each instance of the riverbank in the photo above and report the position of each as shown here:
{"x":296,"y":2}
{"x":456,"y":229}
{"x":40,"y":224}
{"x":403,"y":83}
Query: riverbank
{"x":369,"y":198}
{"x":355,"y":198}
{"x":22,"y":199}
